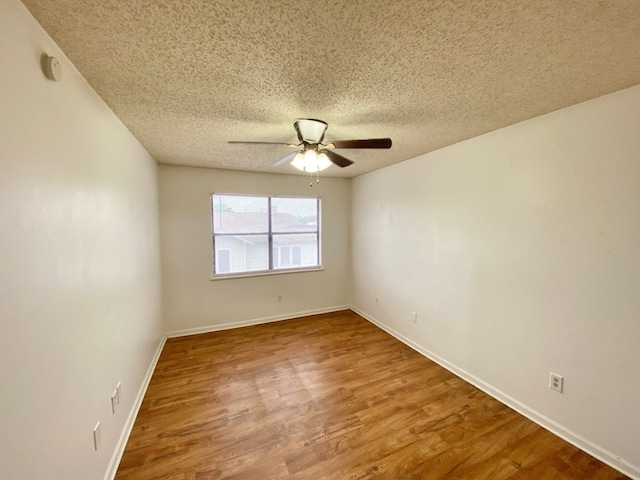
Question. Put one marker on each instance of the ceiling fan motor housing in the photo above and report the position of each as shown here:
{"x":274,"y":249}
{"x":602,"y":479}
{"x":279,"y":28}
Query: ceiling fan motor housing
{"x":310,"y":130}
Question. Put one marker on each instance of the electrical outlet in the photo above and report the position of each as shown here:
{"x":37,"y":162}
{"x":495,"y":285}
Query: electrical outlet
{"x":556,"y":382}
{"x":114,"y":401}
{"x":97,"y":436}
{"x":279,"y":298}
{"x":414,"y":317}
{"x":377,"y":301}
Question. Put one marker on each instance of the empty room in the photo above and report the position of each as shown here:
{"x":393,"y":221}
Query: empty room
{"x":319,"y":239}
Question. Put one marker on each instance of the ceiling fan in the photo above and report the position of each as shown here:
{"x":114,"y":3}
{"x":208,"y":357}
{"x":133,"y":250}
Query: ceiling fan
{"x":313,"y":155}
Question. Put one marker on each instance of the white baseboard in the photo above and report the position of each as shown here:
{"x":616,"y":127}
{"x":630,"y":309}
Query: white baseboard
{"x":254,"y":321}
{"x":133,"y":413}
{"x":601,"y":454}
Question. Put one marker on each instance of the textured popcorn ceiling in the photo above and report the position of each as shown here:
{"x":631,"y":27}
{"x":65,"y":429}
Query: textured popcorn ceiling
{"x":187,"y":76}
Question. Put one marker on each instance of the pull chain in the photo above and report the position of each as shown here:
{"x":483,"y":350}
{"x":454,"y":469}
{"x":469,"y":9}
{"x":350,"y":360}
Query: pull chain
{"x":317,"y":178}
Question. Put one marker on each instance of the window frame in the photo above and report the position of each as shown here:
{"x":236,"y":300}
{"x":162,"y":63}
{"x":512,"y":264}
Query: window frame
{"x":271,"y":270}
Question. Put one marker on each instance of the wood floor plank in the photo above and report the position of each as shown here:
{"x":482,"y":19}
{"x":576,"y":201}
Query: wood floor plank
{"x":330,"y":397}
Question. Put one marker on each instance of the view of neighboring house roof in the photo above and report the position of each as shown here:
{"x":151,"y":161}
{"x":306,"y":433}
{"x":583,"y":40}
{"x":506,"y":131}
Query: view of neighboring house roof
{"x":252,"y":222}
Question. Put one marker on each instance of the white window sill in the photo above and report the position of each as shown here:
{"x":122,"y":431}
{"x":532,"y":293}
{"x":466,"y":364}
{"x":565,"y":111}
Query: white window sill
{"x":263,"y":273}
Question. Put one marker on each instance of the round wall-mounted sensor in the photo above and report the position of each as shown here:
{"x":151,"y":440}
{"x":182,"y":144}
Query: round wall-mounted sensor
{"x":51,"y":68}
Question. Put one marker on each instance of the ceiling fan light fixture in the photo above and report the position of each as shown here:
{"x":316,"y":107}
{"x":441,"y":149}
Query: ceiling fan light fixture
{"x":311,"y":161}
{"x":323,"y":162}
{"x":298,"y":162}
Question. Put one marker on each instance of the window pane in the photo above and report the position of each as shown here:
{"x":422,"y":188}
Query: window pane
{"x":301,"y":250}
{"x":246,"y":253}
{"x":285,"y":256}
{"x":240,"y":214}
{"x":294,"y":214}
{"x":224,"y":261}
{"x":296,"y":255}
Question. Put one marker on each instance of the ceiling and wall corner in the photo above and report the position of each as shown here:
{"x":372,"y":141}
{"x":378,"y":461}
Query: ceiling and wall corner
{"x":187,"y":77}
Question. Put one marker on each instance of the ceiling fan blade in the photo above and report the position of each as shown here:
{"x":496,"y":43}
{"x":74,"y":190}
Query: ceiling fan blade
{"x":336,"y":159}
{"x":370,"y":143}
{"x":284,"y":160}
{"x":259,"y":143}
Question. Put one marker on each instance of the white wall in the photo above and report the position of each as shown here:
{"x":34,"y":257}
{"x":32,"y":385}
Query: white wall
{"x":192,"y":301}
{"x":79,"y":257}
{"x":520,"y":252}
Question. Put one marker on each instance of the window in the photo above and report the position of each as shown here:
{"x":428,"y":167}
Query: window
{"x":257,"y":234}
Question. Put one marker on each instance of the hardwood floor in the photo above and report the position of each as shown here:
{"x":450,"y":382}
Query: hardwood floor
{"x":330,"y":397}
